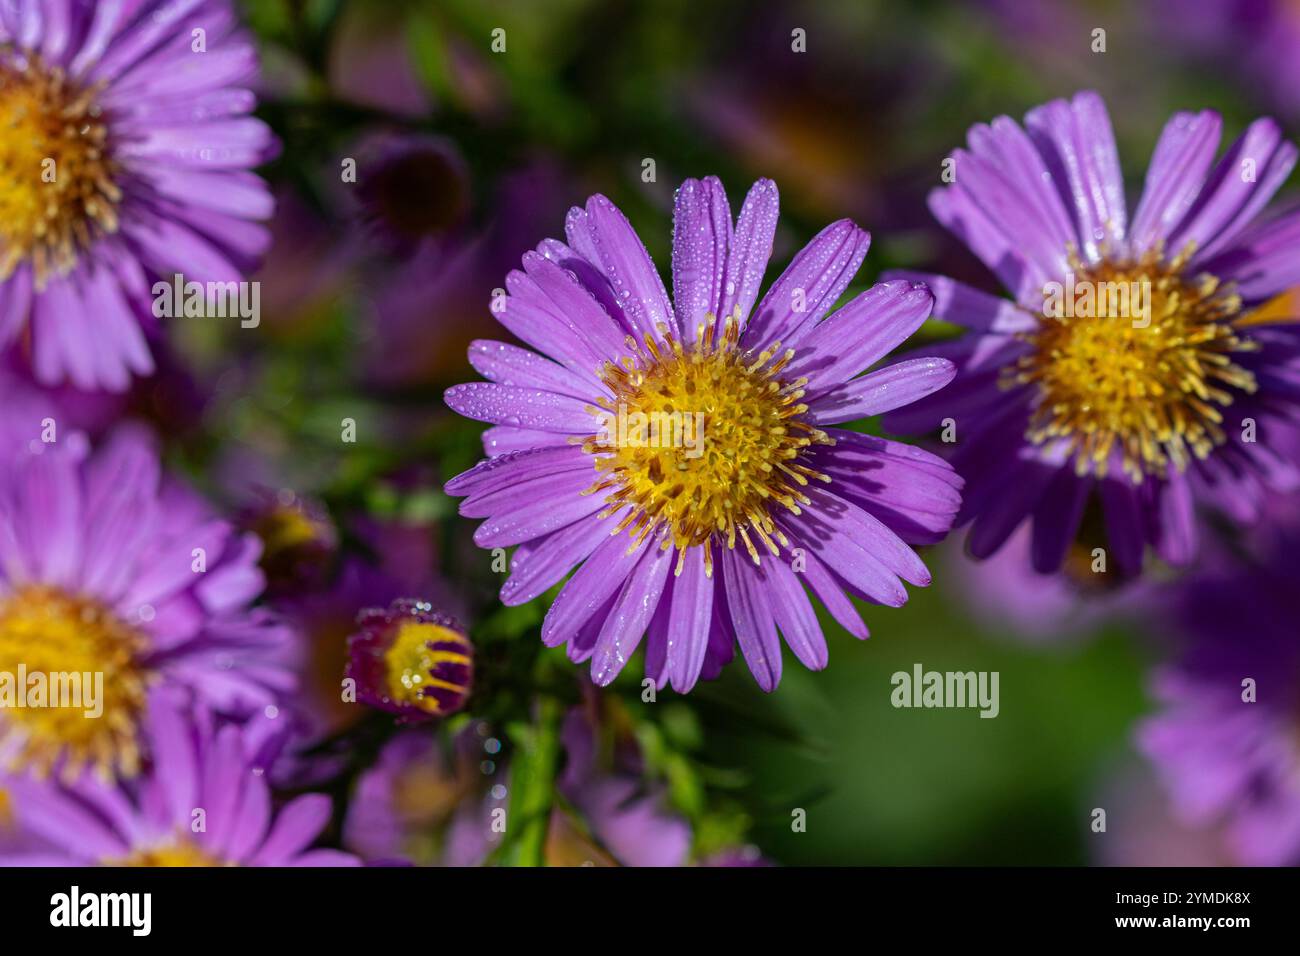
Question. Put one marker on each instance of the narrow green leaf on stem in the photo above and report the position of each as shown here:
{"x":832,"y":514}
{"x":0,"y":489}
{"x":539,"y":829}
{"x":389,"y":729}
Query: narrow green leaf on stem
{"x":533,"y":764}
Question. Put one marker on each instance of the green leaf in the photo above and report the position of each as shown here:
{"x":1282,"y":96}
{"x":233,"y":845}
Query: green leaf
{"x":533,"y":763}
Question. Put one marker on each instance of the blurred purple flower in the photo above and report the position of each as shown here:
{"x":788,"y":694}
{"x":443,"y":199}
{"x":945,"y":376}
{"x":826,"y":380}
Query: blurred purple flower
{"x":27,"y":407}
{"x":433,"y":304}
{"x":12,"y":838}
{"x":835,"y":128}
{"x":771,"y":474}
{"x":309,"y":270}
{"x":325,"y":616}
{"x":204,"y":801}
{"x":1147,"y":416}
{"x":425,"y":803}
{"x":109,"y":566}
{"x":739,"y":857}
{"x":142,"y":105}
{"x":317,"y":585}
{"x":1225,"y":740}
{"x":371,"y":62}
{"x":1142,"y":830}
{"x":326,"y":619}
{"x":1009,"y":596}
{"x":299,"y":542}
{"x":1220,"y":30}
{"x":1006,"y":594}
{"x":627,"y":818}
{"x":410,"y":188}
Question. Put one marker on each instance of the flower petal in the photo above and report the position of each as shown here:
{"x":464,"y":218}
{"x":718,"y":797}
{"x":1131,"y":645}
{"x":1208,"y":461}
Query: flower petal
{"x":1178,"y":167}
{"x":810,"y":286}
{"x":751,"y":248}
{"x":860,"y":334}
{"x":881,"y":391}
{"x":688,"y":627}
{"x":701,"y":240}
{"x":752,"y":618}
{"x":522,"y":408}
{"x":631,"y":614}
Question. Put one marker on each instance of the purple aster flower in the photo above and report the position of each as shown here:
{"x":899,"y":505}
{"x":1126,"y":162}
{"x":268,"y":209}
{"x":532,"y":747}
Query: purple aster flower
{"x":1107,"y":417}
{"x":426,"y":803}
{"x":410,"y":660}
{"x":1141,"y":828}
{"x":1008,"y":596}
{"x":1219,"y":30}
{"x":151,"y":141}
{"x":204,"y":801}
{"x":298,"y":538}
{"x":627,"y":818}
{"x":410,"y":188}
{"x":107,"y":566}
{"x":371,"y":63}
{"x":704,"y":531}
{"x":1227,"y":740}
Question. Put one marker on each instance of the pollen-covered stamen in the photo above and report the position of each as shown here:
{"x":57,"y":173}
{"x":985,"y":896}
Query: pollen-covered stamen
{"x":58,"y":179}
{"x":53,"y":638}
{"x":1146,"y":382}
{"x":700,"y":442}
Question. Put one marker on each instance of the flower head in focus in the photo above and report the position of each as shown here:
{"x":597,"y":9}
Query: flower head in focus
{"x":682,"y":453}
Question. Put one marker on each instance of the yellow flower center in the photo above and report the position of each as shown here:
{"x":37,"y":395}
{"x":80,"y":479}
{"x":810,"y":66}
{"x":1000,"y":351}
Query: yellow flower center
{"x":1140,"y":364}
{"x":57,"y":180}
{"x":284,"y":528}
{"x":179,"y":853}
{"x":702,"y":440}
{"x":63,"y":639}
{"x":411,"y":658}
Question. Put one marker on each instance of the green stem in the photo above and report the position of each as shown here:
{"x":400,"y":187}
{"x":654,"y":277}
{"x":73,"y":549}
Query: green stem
{"x":532,"y":785}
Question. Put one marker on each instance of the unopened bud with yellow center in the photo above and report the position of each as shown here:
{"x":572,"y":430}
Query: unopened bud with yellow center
{"x":410,"y":660}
